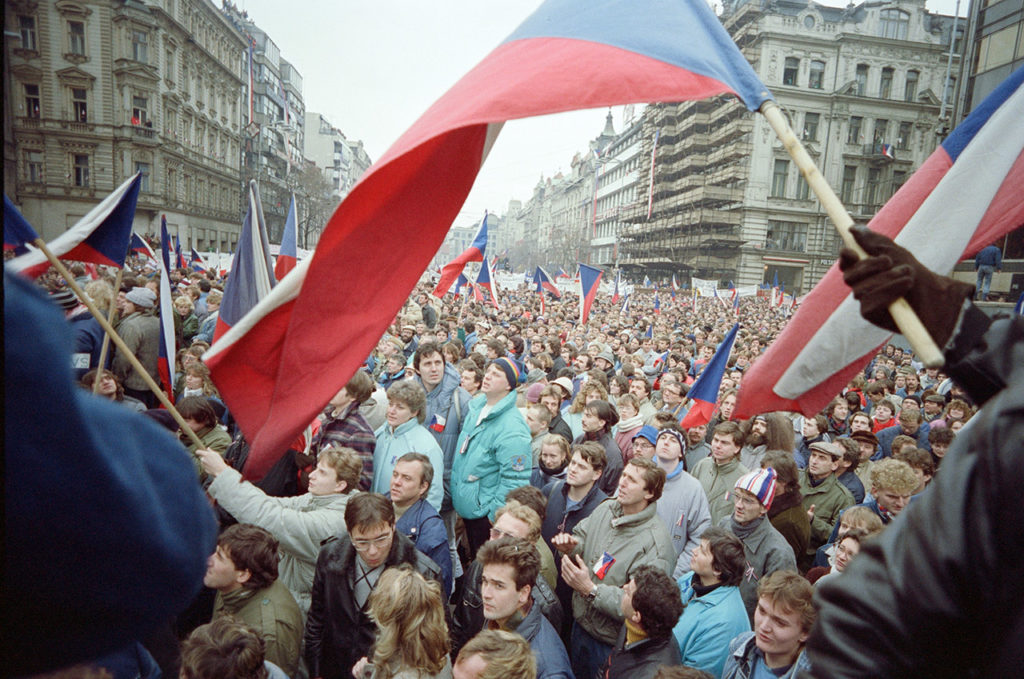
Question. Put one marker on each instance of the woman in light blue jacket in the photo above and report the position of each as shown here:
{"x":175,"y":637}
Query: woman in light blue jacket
{"x":714,"y":612}
{"x":402,"y":433}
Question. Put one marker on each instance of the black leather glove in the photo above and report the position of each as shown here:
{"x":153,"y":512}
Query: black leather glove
{"x":891,"y":272}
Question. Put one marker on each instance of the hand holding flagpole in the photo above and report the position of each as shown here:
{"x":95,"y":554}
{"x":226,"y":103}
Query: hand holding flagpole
{"x":902,"y":313}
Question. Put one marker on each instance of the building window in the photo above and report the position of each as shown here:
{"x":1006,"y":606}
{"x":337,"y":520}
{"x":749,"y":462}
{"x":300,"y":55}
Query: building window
{"x":34,"y":167}
{"x":881,"y":129}
{"x":910,"y":88}
{"x":811,"y":121}
{"x":27,"y":27}
{"x":803,"y":189}
{"x":779,"y":176}
{"x":853,"y":136}
{"x":893,"y":24}
{"x":871,"y":191}
{"x":790,"y":71}
{"x":140,"y":46}
{"x":790,"y":236}
{"x":899,"y":178}
{"x":32,"y":101}
{"x":885,"y":84}
{"x":143,"y":168}
{"x":76,"y":38}
{"x":862,"y":80}
{"x":80,"y":171}
{"x":849,"y":179}
{"x":816,"y":75}
{"x":140,"y":106}
{"x":903,"y":137}
{"x":79,"y":105}
{"x":997,"y":48}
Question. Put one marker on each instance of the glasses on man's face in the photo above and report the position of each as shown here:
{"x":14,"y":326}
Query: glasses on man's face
{"x":498,"y":533}
{"x":642,"y":443}
{"x":744,"y":500}
{"x":378,"y":542}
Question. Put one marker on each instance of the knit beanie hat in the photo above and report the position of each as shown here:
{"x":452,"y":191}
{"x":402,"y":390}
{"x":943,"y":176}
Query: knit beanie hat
{"x":761,"y":483}
{"x":141,"y":297}
{"x":65,"y":299}
{"x":676,"y":434}
{"x":512,"y":369}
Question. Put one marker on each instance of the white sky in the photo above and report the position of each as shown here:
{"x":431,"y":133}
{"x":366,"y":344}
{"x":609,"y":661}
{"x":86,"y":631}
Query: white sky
{"x":373,"y":66}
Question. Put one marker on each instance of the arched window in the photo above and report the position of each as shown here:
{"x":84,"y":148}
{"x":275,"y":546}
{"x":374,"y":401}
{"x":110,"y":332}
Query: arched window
{"x":893,"y":24}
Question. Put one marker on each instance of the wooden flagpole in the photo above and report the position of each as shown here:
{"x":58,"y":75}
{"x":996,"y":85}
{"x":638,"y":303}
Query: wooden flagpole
{"x":902,"y":313}
{"x":110,"y":321}
{"x":118,"y":342}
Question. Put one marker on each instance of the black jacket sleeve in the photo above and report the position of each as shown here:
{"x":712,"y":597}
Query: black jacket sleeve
{"x":940,"y":593}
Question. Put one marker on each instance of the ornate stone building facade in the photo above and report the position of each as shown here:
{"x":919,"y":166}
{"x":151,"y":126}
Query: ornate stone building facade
{"x":98,"y":91}
{"x":860,"y":85}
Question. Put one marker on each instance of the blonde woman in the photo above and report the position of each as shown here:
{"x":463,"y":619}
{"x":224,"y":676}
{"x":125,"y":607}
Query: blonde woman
{"x":412,"y":637}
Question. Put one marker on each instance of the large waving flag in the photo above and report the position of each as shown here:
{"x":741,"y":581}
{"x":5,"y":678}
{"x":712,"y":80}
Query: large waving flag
{"x":251,"y":276}
{"x":965,"y":195}
{"x":17,"y":231}
{"x":704,"y":391}
{"x":168,"y":350}
{"x":100,"y":237}
{"x":297,"y":348}
{"x":474,"y":253}
{"x":590,"y":281}
{"x":288,"y":255}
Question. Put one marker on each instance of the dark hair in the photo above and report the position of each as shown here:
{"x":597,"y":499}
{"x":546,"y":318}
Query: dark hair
{"x":252,"y":549}
{"x":941,"y":435}
{"x":360,"y":387}
{"x":593,"y":453}
{"x":647,"y":385}
{"x":366,"y":510}
{"x":515,"y":552}
{"x":727,"y":555}
{"x":424,"y":350}
{"x":197,"y":408}
{"x":657,"y":600}
{"x":785,"y":469}
{"x":427,"y":469}
{"x":530,"y":497}
{"x":731,"y":429}
{"x":917,"y":458}
{"x":652,"y":474}
{"x":603,"y":410}
{"x":224,"y":647}
{"x":89,"y":378}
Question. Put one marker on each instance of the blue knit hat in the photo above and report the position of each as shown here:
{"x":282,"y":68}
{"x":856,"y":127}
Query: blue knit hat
{"x":648,"y":432}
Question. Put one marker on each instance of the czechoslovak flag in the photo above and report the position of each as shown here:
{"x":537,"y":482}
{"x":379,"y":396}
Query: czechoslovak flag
{"x":704,"y":391}
{"x":474,"y":253}
{"x":281,"y":364}
{"x":590,"y":280}
{"x":966,"y":195}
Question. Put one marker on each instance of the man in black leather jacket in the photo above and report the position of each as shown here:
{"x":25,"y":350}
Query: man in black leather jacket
{"x":339,"y":630}
{"x":939,"y":593}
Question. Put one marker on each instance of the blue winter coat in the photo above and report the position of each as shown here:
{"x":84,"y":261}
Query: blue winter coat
{"x":447,"y":404}
{"x":424,"y":526}
{"x":708,"y":624}
{"x":408,"y":437}
{"x":492,"y":458}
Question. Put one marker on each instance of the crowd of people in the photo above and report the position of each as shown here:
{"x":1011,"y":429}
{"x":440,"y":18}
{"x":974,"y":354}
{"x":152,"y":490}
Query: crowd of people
{"x":505,"y":492}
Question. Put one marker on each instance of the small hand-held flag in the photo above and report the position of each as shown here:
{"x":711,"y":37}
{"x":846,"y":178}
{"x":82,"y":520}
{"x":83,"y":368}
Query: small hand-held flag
{"x":590,"y":280}
{"x":197,"y":262}
{"x":675,"y":286}
{"x":288,"y":254}
{"x":704,"y":391}
{"x":545,"y":284}
{"x":474,"y":253}
{"x":615,"y":294}
{"x":485,"y":281}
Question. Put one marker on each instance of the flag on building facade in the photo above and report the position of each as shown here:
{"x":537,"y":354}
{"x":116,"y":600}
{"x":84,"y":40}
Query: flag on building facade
{"x":704,"y":392}
{"x":285,"y":362}
{"x":100,"y":237}
{"x":474,"y":253}
{"x":947,"y":211}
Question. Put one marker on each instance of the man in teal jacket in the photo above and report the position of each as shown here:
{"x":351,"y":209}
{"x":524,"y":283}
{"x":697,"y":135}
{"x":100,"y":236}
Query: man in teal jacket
{"x":493,"y":453}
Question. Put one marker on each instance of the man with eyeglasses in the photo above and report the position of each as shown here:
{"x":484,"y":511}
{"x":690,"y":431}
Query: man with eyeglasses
{"x":766,"y":549}
{"x":339,"y":630}
{"x":672,"y":393}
